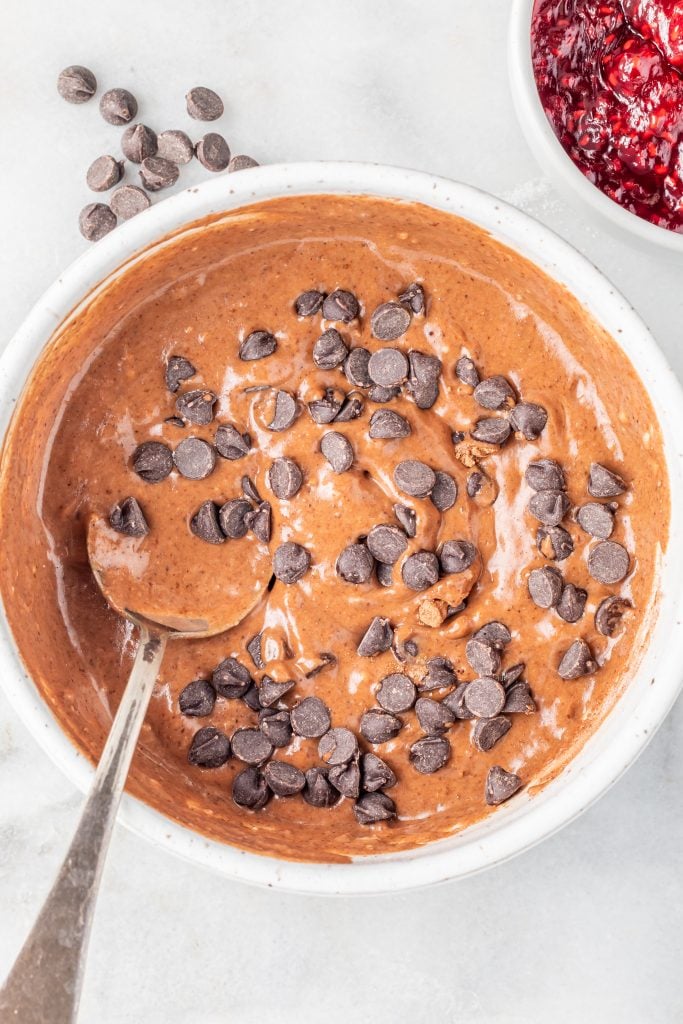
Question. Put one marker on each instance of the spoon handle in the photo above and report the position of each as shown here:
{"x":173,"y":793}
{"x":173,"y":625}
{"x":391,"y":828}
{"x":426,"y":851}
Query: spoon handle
{"x":45,"y":981}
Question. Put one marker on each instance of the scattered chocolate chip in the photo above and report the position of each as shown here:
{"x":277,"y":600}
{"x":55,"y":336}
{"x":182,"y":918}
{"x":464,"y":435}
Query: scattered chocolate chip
{"x":129,"y":200}
{"x":444,"y":492}
{"x":529,"y":420}
{"x":351,"y":409}
{"x":157,"y":173}
{"x":388,"y":367}
{"x":194,"y":458}
{"x":326,"y":409}
{"x":254,"y":650}
{"x":210,"y":748}
{"x":421,"y":570}
{"x":496,"y":633}
{"x":379,"y":726}
{"x":152,"y":461}
{"x":389,"y":321}
{"x":488,"y":731}
{"x":285,"y":478}
{"x":549,"y":507}
{"x":371,"y":808}
{"x":318,"y":792}
{"x":257,"y":345}
{"x":596,"y":519}
{"x":609,"y":614}
{"x":376,"y":773}
{"x":175,"y":146}
{"x":482,"y":489}
{"x":475,"y":482}
{"x":386,"y":424}
{"x":608,"y":562}
{"x":95,"y":221}
{"x":231,"y":679}
{"x":213,"y":152}
{"x":494,"y":393}
{"x":249,"y":490}
{"x":277,"y":726}
{"x":284,"y":779}
{"x":309,"y":303}
{"x":429,"y":754}
{"x":233,"y":518}
{"x":197,"y":699}
{"x":485,"y":697}
{"x":138,"y":142}
{"x":577,"y":661}
{"x":455,"y":702}
{"x":346,"y":779}
{"x":545,"y":475}
{"x":378,"y":637}
{"x":355,"y":564}
{"x":571,"y":605}
{"x":337,"y":747}
{"x":457,"y":556}
{"x":385,"y":574}
{"x":413,"y":298}
{"x":290,"y":562}
{"x":230,"y":444}
{"x":518,"y":700}
{"x":386,"y":543}
{"x":196,"y":407}
{"x":510,"y":676}
{"x":178,"y":369}
{"x":440,"y":672}
{"x":128,"y":518}
{"x":103,"y":173}
{"x":76,"y":84}
{"x":466,"y":371}
{"x":337,"y":450}
{"x":340,"y":305}
{"x":284,"y":412}
{"x":270,"y":691}
{"x":434,"y":716}
{"x":204,"y":104}
{"x":483,"y":655}
{"x":603,"y":483}
{"x":396,"y":692}
{"x":251,"y":746}
{"x":407,"y":518}
{"x":249,"y":789}
{"x":501,"y":785}
{"x":381,"y":395}
{"x":356,"y":368}
{"x":414,"y":478}
{"x":423,"y":378}
{"x":329,"y":350}
{"x":251,"y":698}
{"x":545,"y":586}
{"x":554,"y":542}
{"x":494,"y":430}
{"x":204,"y":523}
{"x":175,"y":421}
{"x":241,"y":163}
{"x":258,"y":520}
{"x":326,"y":659}
{"x":310,"y":718}
{"x":118,"y":106}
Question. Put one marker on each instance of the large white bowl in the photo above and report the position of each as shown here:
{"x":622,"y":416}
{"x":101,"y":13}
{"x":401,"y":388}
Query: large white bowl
{"x":649,"y":695}
{"x":551,"y":155}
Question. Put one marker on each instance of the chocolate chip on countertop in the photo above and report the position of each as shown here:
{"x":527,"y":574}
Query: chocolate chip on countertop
{"x":318,"y":792}
{"x":577,"y":661}
{"x":249,"y":789}
{"x":488,"y":731}
{"x":309,"y":303}
{"x":213,"y":152}
{"x":554,"y":542}
{"x":337,"y":746}
{"x":388,"y":367}
{"x":210,"y":748}
{"x":572,"y":602}
{"x":196,"y":407}
{"x":257,"y":345}
{"x":414,"y":478}
{"x":240,"y":162}
{"x":379,"y":726}
{"x":494,"y":393}
{"x":434,"y":716}
{"x":310,"y":718}
{"x":157,"y":173}
{"x":518,"y":700}
{"x":95,"y":221}
{"x":251,"y":746}
{"x":429,"y":754}
{"x":376,"y":773}
{"x":596,"y":519}
{"x":355,"y":564}
{"x":129,"y":200}
{"x":386,"y":543}
{"x":485,"y":697}
{"x":103,"y":173}
{"x":270,"y":691}
{"x":138,"y":142}
{"x":290,"y":562}
{"x":346,"y":779}
{"x":483,"y":656}
{"x":175,"y":146}
{"x":466,"y":372}
{"x":285,"y":411}
{"x":204,"y":104}
{"x":76,"y":84}
{"x":496,"y":633}
{"x":396,"y":693}
{"x":385,"y":424}
{"x":545,"y":586}
{"x":356,"y":368}
{"x":609,"y":614}
{"x":329,"y":350}
{"x":337,"y":450}
{"x":389,"y":321}
{"x":285,"y":478}
{"x":421,"y":570}
{"x":152,"y":461}
{"x":178,"y":369}
{"x":423,"y":378}
{"x":231,"y":679}
{"x":529,"y":420}
{"x":230,"y":443}
{"x":492,"y":430}
{"x":128,"y":518}
{"x":413,"y":298}
{"x":377,"y":638}
{"x":284,"y":779}
{"x":549,"y":507}
{"x":407,"y":518}
{"x":341,"y":305}
{"x":194,"y":458}
{"x":608,"y":562}
{"x":455,"y":702}
{"x":276,"y":725}
{"x":197,"y":699}
{"x":545,"y":475}
{"x":603,"y":483}
{"x":371,"y":808}
{"x":457,"y":556}
{"x":205,"y":525}
{"x":501,"y":785}
{"x":440,"y":672}
{"x":444,"y":491}
{"x":118,"y":106}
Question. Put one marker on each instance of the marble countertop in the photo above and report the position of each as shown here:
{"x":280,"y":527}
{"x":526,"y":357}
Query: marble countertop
{"x":585,"y":927}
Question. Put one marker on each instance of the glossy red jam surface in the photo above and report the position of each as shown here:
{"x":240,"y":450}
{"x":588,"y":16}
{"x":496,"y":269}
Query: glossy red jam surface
{"x":610,"y":77}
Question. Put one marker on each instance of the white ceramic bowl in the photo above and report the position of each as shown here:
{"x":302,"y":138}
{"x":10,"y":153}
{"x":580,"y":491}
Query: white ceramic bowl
{"x":552,"y":157}
{"x":525,"y":820}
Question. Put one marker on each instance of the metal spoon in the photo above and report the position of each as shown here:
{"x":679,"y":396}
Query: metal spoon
{"x":45,"y":982}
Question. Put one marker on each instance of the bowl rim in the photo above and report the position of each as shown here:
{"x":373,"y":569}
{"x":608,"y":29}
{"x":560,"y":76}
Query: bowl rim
{"x":630,"y":724}
{"x":547,"y":148}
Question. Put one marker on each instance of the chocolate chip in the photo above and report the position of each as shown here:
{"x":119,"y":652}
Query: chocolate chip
{"x":351,"y":409}
{"x":257,"y":345}
{"x":374,"y":807}
{"x":554,"y":542}
{"x":510,"y":676}
{"x":213,"y":152}
{"x":284,"y":779}
{"x":485,"y":697}
{"x":270,"y":691}
{"x":346,"y":779}
{"x":277,"y":726}
{"x":157,"y":173}
{"x":231,"y":679}
{"x":76,"y":84}
{"x":494,"y":430}
{"x":309,"y":303}
{"x":500,"y":785}
{"x":386,"y":424}
{"x":466,"y":371}
{"x":379,"y":726}
{"x":545,"y":475}
{"x":285,"y":411}
{"x":95,"y":221}
{"x":455,"y":702}
{"x":528,"y":419}
{"x":128,"y":518}
{"x":240,"y":162}
{"x":488,"y":731}
{"x":196,"y":407}
{"x":421,"y":570}
{"x":577,"y":661}
{"x":310,"y":718}
{"x":232,"y":517}
{"x":138,"y":142}
{"x":103,"y":173}
{"x":378,"y":637}
{"x":482,"y":489}
{"x":429,"y":754}
{"x":407,"y":518}
{"x":496,"y":633}
{"x":152,"y":461}
{"x":549,"y":507}
{"x":129,"y":200}
{"x":250,"y":698}
{"x":518,"y":700}
{"x":396,"y":693}
{"x":483,"y":655}
{"x":251,"y":746}
{"x":204,"y":523}
{"x":197,"y":699}
{"x":326,"y":409}
{"x":203,"y":104}
{"x":545,"y":586}
{"x":355,"y":564}
{"x":414,"y":478}
{"x":249,"y":789}
{"x":230,"y":444}
{"x":356,"y":368}
{"x":194,"y":458}
{"x":338,"y":746}
{"x":329,"y":350}
{"x":258,"y":520}
{"x":494,"y":393}
{"x":337,"y":450}
{"x":440,"y":672}
{"x":609,"y":614}
{"x":376,"y":773}
{"x":118,"y":106}
{"x":413,"y":298}
{"x":388,"y":367}
{"x":571,"y":605}
{"x":603,"y":483}
{"x":596,"y":519}
{"x":444,"y":492}
{"x":318,"y":792}
{"x":290,"y":562}
{"x":386,"y":543}
{"x":423,"y":378}
{"x":210,"y":748}
{"x":457,"y":556}
{"x":176,"y":146}
{"x":434,"y":717}
{"x":285,"y":478}
{"x":385,"y":574}
{"x":381,"y":395}
{"x":254,"y":650}
{"x":178,"y":369}
{"x":608,"y":562}
{"x":389,"y":321}
{"x":341,"y":305}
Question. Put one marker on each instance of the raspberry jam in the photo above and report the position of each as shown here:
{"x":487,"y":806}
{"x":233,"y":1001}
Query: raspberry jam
{"x":610,"y":78}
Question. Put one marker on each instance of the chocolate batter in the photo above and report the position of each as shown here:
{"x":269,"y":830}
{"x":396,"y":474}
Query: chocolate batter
{"x":99,"y":391}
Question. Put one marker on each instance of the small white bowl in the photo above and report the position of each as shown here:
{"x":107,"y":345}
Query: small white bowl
{"x":550,"y":154}
{"x":649,"y":694}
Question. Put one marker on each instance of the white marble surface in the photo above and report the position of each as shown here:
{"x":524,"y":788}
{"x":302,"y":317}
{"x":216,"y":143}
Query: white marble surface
{"x":585,"y":927}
